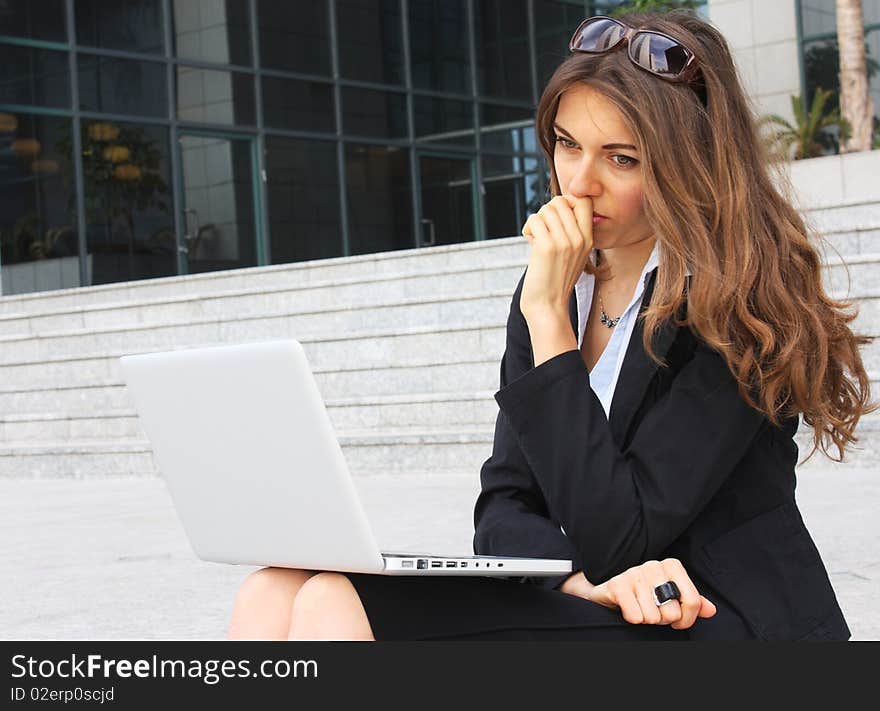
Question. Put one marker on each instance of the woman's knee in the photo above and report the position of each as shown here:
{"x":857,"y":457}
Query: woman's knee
{"x":328,"y":607}
{"x":320,"y":590}
{"x":271,"y":581}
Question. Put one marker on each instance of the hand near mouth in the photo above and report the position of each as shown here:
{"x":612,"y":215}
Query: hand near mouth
{"x":561,"y":235}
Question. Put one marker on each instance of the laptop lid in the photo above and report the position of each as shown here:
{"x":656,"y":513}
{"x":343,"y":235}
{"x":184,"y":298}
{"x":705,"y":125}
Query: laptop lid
{"x":241,"y":435}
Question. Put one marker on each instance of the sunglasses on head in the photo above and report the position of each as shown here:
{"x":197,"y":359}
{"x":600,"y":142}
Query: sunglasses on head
{"x":657,"y":53}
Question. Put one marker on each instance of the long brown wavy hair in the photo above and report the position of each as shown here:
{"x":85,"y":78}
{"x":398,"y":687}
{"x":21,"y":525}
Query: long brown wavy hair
{"x":756,"y":294}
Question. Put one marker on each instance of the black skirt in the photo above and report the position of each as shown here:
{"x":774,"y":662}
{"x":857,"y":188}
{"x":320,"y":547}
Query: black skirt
{"x":480,"y":607}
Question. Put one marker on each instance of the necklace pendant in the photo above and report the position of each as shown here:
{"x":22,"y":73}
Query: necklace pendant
{"x":609,"y":322}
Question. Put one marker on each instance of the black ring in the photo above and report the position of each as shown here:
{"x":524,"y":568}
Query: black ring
{"x":666,"y":592}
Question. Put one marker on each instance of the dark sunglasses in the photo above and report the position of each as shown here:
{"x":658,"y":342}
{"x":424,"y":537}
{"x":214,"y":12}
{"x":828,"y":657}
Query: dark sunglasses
{"x":657,"y":53}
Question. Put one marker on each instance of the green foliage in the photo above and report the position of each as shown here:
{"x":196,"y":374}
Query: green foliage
{"x":654,"y":6}
{"x":809,"y":136}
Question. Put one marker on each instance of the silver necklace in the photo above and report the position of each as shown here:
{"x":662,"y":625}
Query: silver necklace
{"x":605,"y":318}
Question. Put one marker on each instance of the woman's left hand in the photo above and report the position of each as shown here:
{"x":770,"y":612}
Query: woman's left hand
{"x":632,"y":592}
{"x":561,"y":235}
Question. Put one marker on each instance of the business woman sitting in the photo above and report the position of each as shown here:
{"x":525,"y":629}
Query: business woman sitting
{"x":670,"y":328}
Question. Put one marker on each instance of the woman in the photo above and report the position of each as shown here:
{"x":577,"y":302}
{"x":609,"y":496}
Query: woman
{"x":668,"y":331}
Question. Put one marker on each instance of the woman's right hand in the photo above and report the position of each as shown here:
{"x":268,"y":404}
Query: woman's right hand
{"x":632,"y":592}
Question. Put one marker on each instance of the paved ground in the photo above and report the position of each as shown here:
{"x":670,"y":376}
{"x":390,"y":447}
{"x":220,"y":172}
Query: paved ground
{"x":108,"y":559}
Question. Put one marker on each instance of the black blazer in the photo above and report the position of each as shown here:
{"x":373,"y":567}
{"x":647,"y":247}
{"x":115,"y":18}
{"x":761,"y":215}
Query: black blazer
{"x":683,"y":468}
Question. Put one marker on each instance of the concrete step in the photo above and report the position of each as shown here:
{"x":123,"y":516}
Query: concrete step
{"x":871,"y":356}
{"x":396,"y":412}
{"x":141,"y":303}
{"x":839,"y":219}
{"x":850,"y":242}
{"x":269,"y":316}
{"x":395,"y":365}
{"x":296,"y":320}
{"x":368,"y":452}
{"x":390,"y":452}
{"x":372,"y":356}
{"x":364,"y":292}
{"x":299,"y":274}
{"x":853,"y":276}
{"x":367,"y":363}
{"x":66,"y":399}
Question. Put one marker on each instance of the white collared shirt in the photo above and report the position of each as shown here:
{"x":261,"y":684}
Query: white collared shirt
{"x":604,"y":375}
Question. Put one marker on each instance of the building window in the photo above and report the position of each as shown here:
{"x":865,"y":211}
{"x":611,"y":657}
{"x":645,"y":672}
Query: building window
{"x":126,"y":176}
{"x":438,"y":45}
{"x":38,"y":234}
{"x":295,"y":36}
{"x":304,"y":205}
{"x":298,"y":105}
{"x":214,"y":96}
{"x":370,"y":40}
{"x":820,"y":57}
{"x":270,"y":119}
{"x":122,"y":86}
{"x":131,"y":25}
{"x":379,"y":198}
{"x":44,"y":20}
{"x":35,"y":77}
{"x":217,"y":32}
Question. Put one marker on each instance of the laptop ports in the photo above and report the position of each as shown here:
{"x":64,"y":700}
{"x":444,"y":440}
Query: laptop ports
{"x":436,"y":563}
{"x":421,"y":564}
{"x":451,"y":564}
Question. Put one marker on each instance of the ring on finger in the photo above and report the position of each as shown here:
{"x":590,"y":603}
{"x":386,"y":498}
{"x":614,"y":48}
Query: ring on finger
{"x":666,"y":592}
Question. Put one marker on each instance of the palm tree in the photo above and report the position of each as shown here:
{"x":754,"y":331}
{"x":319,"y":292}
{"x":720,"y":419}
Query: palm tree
{"x":808,"y":136}
{"x":856,"y":104}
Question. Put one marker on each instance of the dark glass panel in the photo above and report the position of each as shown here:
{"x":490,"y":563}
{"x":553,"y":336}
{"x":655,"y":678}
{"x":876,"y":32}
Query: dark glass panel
{"x":133,"y":25}
{"x":38,"y":239}
{"x":370,"y":40}
{"x":218,"y":203}
{"x":303,"y":192}
{"x":214,"y":96}
{"x":438,"y":32}
{"x":555,"y":23}
{"x":872,"y":44}
{"x":512,"y":193}
{"x":122,"y":86}
{"x":819,"y":17}
{"x":502,"y":40}
{"x":44,"y":20}
{"x":436,"y":119}
{"x":212,"y":32}
{"x":130,"y":228}
{"x":34,"y":76}
{"x":447,"y":200}
{"x":504,"y":128}
{"x":295,"y":35}
{"x":821,"y":61}
{"x":373,"y":113}
{"x":294,"y":104}
{"x":379,"y":198}
{"x":504,"y":199}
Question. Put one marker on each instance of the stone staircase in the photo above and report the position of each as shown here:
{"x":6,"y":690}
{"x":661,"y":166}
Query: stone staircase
{"x":405,"y":347}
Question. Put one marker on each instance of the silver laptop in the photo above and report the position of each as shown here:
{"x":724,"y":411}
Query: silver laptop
{"x":244,"y":442}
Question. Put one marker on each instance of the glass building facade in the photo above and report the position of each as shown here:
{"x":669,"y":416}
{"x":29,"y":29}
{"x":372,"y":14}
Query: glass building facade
{"x":149,"y":138}
{"x":817,"y":32}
